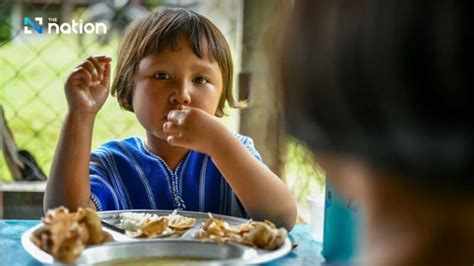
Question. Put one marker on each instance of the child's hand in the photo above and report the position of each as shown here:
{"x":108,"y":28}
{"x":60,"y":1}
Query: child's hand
{"x":87,"y":87}
{"x":194,"y":129}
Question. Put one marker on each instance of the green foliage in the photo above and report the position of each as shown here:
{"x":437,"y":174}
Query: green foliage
{"x":5,"y":14}
{"x":303,"y":175}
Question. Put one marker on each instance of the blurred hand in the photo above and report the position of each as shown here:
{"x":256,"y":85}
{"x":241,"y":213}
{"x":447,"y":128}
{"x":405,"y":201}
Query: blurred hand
{"x":194,"y":129}
{"x":87,"y":87}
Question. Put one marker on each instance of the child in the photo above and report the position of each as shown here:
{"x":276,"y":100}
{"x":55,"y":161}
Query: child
{"x":174,"y":72}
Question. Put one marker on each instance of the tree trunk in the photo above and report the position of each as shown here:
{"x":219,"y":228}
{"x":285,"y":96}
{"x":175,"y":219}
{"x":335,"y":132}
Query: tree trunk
{"x":261,"y":121}
{"x":9,"y":149}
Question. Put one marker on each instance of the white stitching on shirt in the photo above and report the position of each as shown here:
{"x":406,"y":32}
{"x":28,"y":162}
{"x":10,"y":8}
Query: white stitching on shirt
{"x":107,"y":184}
{"x":140,"y":173}
{"x":202,"y":184}
{"x":96,"y":202}
{"x":171,"y":178}
{"x":111,"y":175}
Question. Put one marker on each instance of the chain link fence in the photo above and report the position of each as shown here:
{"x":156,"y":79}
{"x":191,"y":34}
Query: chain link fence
{"x":33,"y":68}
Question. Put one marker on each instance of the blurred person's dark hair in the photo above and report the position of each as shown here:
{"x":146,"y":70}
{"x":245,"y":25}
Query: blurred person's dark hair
{"x":387,"y":81}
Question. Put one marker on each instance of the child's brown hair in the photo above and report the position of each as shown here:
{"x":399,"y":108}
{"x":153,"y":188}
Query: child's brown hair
{"x":161,"y":29}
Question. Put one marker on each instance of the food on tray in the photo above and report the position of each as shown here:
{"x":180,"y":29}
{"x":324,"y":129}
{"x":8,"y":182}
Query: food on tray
{"x":149,"y":225}
{"x":263,"y":235}
{"x":179,"y":222}
{"x":151,"y":228}
{"x":64,"y":235}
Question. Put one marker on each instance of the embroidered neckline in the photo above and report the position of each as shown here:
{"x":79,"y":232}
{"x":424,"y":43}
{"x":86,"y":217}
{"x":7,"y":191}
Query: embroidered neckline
{"x":178,"y":200}
{"x":175,"y":172}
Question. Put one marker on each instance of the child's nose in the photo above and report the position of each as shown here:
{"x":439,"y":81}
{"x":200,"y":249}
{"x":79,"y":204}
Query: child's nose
{"x":181,"y":95}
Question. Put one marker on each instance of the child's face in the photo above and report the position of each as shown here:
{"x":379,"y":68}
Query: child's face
{"x":174,"y":78}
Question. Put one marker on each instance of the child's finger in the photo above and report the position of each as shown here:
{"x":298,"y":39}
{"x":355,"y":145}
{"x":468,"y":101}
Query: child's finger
{"x":105,"y":63}
{"x":174,"y":140}
{"x":82,"y":75}
{"x":176,"y":116}
{"x":105,"y":80}
{"x":171,"y":128}
{"x":89,"y":66}
{"x":98,"y":67}
{"x":103,"y":58}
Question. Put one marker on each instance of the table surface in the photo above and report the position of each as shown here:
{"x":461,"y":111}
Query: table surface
{"x":12,"y":252}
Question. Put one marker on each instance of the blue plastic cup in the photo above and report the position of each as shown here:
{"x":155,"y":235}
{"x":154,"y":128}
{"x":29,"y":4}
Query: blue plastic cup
{"x":340,"y":227}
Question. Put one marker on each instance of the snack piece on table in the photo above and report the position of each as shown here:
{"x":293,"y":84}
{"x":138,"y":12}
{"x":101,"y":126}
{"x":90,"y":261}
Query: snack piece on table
{"x":64,"y":235}
{"x":262,"y":235}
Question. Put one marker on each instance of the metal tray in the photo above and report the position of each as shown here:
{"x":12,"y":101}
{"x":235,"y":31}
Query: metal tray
{"x":184,"y":246}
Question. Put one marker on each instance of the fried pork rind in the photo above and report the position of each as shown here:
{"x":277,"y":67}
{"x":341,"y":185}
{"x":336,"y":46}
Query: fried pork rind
{"x":146,"y":225}
{"x":64,"y":235}
{"x":178,"y":222}
{"x":262,"y":235}
{"x":151,"y":228}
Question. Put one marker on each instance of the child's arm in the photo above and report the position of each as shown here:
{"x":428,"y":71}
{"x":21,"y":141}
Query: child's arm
{"x":86,"y":90}
{"x":263,"y":194}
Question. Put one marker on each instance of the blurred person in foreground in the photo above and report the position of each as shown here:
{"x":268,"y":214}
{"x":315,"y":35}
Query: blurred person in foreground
{"x":381,"y":91}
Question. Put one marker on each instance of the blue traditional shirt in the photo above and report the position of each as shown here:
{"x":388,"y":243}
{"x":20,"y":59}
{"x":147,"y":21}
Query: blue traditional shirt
{"x":124,"y":174}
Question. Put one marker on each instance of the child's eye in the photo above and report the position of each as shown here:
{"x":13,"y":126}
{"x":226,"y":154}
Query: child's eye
{"x":161,"y":75}
{"x":201,"y":80}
